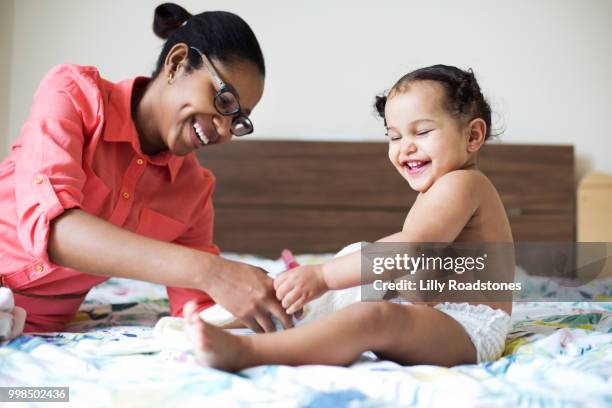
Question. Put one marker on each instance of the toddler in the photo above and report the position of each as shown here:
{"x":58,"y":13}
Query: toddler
{"x":436,"y":120}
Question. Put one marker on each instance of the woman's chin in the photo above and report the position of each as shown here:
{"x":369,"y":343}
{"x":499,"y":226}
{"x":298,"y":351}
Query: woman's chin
{"x":182,"y":151}
{"x":179,"y":149}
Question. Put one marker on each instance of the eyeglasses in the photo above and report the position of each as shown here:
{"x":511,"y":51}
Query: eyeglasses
{"x":226,"y":101}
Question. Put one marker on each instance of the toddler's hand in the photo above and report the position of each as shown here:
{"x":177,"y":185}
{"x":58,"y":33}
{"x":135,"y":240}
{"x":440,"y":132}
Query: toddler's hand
{"x":298,"y":286}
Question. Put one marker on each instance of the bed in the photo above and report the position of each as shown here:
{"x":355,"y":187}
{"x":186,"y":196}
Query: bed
{"x":315,"y":197}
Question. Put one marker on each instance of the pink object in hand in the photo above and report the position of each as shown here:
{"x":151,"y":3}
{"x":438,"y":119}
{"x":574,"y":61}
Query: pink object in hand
{"x":289,"y":259}
{"x":290,"y":263}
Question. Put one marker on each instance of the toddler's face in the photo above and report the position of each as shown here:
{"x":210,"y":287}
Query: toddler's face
{"x":425,"y":141}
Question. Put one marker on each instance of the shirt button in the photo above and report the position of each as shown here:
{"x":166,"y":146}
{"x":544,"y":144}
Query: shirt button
{"x":140,"y":162}
{"x":126,"y":195}
{"x":39,"y":179}
{"x":39,"y":268}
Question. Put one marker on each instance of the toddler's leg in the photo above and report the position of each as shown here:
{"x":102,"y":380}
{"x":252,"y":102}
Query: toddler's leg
{"x":407,"y":334}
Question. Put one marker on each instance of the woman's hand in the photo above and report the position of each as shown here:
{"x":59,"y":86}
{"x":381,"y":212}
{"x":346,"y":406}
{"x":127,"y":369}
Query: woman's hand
{"x":77,"y":240}
{"x":248,"y":293}
{"x":298,"y":286}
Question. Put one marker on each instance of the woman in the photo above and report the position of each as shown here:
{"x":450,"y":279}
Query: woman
{"x":103,"y":180}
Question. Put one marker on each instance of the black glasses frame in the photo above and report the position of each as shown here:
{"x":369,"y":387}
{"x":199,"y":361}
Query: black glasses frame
{"x":240,"y":121}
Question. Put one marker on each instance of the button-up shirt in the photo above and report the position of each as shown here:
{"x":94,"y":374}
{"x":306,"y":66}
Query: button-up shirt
{"x":79,"y":148}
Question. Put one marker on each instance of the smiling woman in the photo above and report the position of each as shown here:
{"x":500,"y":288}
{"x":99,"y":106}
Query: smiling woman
{"x":213,"y":81}
{"x":92,"y":186}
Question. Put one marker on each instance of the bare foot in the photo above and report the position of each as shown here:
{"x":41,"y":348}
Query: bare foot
{"x":213,"y":346}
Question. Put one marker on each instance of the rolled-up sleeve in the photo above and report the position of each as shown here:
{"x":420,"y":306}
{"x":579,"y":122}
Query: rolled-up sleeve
{"x":200,"y":237}
{"x":49,"y":176}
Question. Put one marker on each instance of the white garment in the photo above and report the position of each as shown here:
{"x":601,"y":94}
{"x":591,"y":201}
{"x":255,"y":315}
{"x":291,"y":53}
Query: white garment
{"x":487,"y":327}
{"x":12,"y":318}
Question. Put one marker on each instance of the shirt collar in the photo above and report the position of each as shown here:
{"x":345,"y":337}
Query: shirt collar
{"x":120,"y":127}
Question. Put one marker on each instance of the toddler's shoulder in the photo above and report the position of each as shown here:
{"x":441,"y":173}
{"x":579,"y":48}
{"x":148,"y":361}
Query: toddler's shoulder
{"x":469,"y":187}
{"x":470,"y":181}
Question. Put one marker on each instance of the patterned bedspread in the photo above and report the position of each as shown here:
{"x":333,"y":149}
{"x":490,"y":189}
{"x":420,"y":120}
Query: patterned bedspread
{"x":557,"y":355}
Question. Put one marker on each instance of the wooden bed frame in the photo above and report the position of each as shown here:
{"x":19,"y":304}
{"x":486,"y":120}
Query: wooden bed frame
{"x":316,"y":197}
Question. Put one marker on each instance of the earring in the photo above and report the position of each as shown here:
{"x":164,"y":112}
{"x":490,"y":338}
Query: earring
{"x":171,"y":74}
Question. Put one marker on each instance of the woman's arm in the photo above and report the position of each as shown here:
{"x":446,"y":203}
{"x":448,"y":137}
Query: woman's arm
{"x":84,"y":242}
{"x":89,"y":244}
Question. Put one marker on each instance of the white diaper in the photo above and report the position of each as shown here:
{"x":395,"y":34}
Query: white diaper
{"x":487,"y":327}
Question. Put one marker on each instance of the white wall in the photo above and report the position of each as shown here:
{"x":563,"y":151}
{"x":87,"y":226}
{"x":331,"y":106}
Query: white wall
{"x":7,"y":8}
{"x":544,"y":64}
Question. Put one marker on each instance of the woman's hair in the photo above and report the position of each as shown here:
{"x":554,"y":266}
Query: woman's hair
{"x":463,"y":98}
{"x":220,"y":35}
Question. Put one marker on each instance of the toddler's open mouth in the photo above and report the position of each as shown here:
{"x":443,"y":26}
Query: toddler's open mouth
{"x":416,"y":166}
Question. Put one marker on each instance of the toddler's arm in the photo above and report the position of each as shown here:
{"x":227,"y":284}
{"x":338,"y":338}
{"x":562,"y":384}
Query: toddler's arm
{"x":439,"y":215}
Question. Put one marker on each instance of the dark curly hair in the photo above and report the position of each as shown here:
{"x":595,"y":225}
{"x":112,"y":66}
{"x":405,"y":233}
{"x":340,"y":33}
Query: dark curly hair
{"x":463,"y":97}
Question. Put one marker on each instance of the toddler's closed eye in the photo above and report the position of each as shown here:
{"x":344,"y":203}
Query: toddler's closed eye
{"x":393,"y":135}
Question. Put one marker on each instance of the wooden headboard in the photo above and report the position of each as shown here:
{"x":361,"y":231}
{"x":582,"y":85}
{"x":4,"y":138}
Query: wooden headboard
{"x":316,"y":197}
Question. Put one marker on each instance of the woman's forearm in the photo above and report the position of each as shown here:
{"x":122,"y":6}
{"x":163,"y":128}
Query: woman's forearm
{"x":81,"y":241}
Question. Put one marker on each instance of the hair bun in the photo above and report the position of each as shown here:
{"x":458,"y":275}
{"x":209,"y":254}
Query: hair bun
{"x":167,"y":18}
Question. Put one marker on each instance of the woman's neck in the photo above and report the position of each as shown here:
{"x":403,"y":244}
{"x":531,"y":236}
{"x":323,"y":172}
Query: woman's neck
{"x":144,"y":117}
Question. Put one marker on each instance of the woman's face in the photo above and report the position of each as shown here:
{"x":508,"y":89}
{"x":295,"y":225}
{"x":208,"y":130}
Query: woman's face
{"x":425,"y":141}
{"x":187,"y":103}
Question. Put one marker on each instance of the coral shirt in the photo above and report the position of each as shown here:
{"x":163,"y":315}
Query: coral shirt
{"x":79,"y":149}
